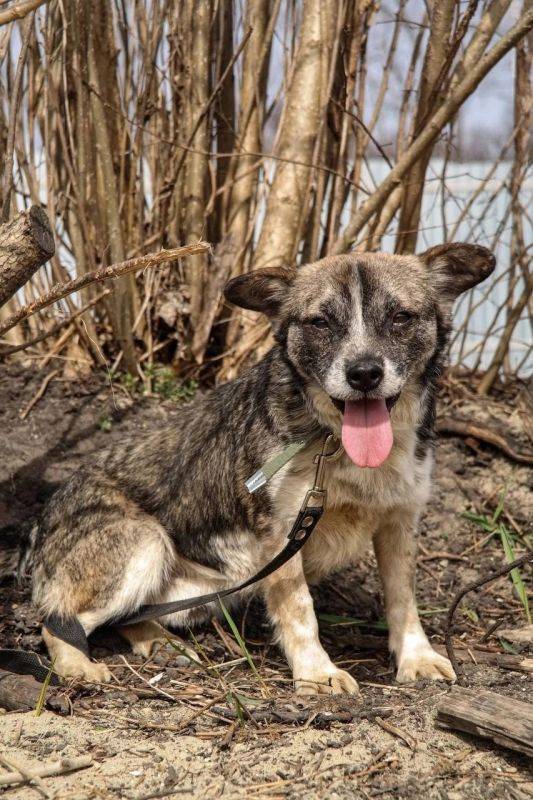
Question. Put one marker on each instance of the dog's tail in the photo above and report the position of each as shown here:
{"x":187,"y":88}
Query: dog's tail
{"x":16,"y":548}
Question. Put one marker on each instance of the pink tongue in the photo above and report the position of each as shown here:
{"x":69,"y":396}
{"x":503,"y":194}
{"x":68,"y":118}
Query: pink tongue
{"x":367,"y":432}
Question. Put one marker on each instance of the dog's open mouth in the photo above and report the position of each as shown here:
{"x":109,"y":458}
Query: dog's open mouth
{"x":366,"y":430}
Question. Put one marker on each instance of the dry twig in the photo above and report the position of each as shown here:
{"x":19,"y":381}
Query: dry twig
{"x":61,"y":767}
{"x":448,"y":640}
{"x":61,"y":290}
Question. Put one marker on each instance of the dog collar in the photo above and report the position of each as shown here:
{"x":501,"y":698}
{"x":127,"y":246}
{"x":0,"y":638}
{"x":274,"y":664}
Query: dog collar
{"x":274,"y":464}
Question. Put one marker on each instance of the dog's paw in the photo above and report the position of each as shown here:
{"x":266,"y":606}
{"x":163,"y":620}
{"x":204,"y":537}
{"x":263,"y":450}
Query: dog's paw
{"x":147,"y":647}
{"x":146,"y":637}
{"x":326,"y":681}
{"x":82,"y":668}
{"x":424,"y":663}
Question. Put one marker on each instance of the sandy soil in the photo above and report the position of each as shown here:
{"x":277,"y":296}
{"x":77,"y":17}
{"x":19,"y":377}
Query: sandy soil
{"x":136,"y":730}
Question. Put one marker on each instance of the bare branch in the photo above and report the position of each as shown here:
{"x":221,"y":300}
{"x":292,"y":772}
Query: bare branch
{"x":445,"y":113}
{"x":61,"y":290}
{"x":19,"y":10}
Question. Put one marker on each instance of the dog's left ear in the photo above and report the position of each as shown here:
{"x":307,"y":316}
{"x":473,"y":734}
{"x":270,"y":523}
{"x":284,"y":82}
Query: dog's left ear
{"x":456,"y":267}
{"x":260,"y":290}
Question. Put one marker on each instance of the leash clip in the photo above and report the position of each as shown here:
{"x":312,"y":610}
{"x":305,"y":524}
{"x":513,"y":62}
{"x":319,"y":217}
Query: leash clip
{"x":318,"y":495}
{"x":321,"y":459}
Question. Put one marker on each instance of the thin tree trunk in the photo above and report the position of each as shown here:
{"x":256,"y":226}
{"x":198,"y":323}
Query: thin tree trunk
{"x":437,"y":50}
{"x":245,"y":176}
{"x":122,"y":299}
{"x":519,"y":259}
{"x":304,"y":106}
{"x":196,"y":268}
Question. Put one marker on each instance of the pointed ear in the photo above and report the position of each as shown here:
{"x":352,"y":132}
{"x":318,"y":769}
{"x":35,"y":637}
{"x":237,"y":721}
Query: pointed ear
{"x":260,"y":290}
{"x":457,"y":267}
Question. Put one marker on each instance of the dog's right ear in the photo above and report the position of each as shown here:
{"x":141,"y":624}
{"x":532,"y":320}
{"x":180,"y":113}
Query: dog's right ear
{"x":260,"y":290}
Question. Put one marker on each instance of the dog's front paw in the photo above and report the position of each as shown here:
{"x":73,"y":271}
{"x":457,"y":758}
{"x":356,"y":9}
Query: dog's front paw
{"x":424,"y":663}
{"x":325,"y":680}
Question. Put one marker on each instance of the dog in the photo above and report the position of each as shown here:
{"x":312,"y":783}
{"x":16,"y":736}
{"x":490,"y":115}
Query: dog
{"x":360,"y":343}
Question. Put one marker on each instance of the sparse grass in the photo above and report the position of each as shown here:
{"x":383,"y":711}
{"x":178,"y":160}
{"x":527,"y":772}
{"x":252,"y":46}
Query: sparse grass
{"x":164,"y":383}
{"x":105,"y":423}
{"x":495,"y":527}
{"x":336,"y":620}
{"x":242,"y":644}
{"x":472,"y":614}
{"x":238,"y":700}
{"x":378,"y":624}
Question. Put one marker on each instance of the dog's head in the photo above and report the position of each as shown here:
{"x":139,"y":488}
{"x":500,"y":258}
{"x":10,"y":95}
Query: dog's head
{"x":362,"y":326}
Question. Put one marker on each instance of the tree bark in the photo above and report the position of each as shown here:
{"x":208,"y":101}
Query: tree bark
{"x":122,"y":317}
{"x":436,"y":54}
{"x":197,"y":162}
{"x":26,"y":243}
{"x":19,"y":10}
{"x":519,"y":259}
{"x":249,"y":132}
{"x":303,"y":109}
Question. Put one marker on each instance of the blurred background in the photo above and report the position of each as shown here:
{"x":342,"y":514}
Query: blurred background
{"x":279,"y":131}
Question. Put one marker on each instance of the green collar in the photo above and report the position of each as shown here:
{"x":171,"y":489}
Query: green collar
{"x":273,"y":465}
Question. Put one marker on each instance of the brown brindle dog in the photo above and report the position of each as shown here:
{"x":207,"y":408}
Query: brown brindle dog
{"x":360,"y":342}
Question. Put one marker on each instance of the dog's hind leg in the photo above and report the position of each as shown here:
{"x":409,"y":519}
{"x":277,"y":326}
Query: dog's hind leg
{"x":145,"y":636}
{"x":104,"y":576}
{"x":69,"y":662}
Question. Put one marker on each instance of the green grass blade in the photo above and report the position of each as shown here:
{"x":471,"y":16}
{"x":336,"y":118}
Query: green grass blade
{"x":44,"y":689}
{"x":508,"y":647}
{"x":427,"y":612}
{"x":233,"y":699}
{"x":471,"y":613}
{"x":479,"y":519}
{"x":501,"y":502}
{"x":516,"y":578}
{"x":238,"y":637}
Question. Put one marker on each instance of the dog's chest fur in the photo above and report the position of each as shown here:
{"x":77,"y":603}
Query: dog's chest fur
{"x":358,"y":501}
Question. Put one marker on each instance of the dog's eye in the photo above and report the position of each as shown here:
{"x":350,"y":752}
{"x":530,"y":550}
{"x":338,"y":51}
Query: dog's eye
{"x":401,"y":318}
{"x":318,"y":322}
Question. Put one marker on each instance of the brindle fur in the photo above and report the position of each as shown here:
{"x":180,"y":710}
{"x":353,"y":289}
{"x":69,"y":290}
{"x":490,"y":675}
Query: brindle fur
{"x":166,"y":515}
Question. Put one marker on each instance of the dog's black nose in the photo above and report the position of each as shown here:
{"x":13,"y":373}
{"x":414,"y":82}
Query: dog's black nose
{"x":364,"y":375}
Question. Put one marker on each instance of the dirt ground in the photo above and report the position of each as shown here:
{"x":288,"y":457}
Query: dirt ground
{"x":167,"y":727}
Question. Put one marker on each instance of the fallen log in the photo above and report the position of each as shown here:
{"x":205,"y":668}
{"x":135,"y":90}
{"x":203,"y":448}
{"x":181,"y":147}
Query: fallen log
{"x":61,"y":290}
{"x":22,"y":693}
{"x":26,"y":243}
{"x":493,"y":716}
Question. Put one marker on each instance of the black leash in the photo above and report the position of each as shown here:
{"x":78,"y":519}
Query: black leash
{"x":25,"y":662}
{"x":71,"y":631}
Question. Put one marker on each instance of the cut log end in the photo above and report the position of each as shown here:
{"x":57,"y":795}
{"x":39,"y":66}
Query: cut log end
{"x":26,"y":243}
{"x":41,"y":231}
